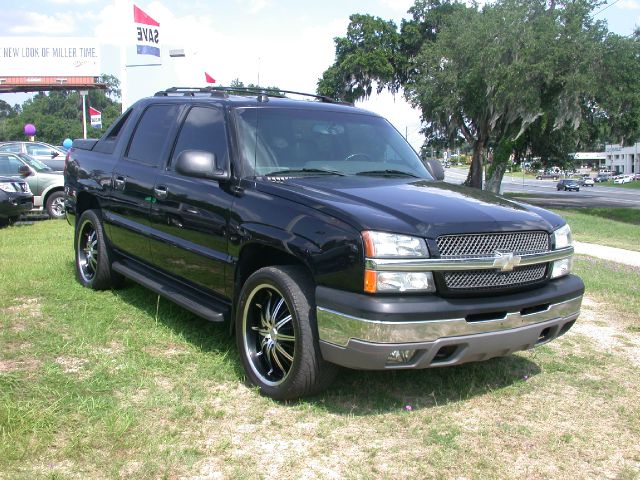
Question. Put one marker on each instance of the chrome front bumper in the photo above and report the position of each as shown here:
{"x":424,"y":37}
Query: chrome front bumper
{"x":359,"y":332}
{"x":338,"y":328}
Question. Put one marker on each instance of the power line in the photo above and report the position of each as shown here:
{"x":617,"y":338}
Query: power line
{"x":604,"y":8}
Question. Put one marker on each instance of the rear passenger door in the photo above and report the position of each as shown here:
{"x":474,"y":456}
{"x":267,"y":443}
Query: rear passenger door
{"x":189,"y":215}
{"x":133,"y":179}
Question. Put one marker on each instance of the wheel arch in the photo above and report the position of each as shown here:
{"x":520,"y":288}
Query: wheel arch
{"x":252,"y":258}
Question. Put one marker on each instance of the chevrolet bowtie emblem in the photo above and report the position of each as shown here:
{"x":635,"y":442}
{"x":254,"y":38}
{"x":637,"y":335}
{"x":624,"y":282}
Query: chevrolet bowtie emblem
{"x":506,"y":262}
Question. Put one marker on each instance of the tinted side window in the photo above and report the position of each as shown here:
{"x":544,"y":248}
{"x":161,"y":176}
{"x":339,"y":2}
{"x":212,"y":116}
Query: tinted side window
{"x":152,"y":134}
{"x":203,"y":129}
{"x":9,"y":165}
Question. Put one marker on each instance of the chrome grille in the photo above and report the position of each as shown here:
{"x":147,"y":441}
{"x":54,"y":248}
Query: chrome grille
{"x":487,"y":279}
{"x":487,"y":244}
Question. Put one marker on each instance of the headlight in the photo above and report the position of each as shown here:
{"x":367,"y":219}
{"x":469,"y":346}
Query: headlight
{"x":390,"y":282}
{"x":381,"y":245}
{"x":8,"y":187}
{"x":563,"y":237}
{"x":562,"y":267}
{"x":391,"y":245}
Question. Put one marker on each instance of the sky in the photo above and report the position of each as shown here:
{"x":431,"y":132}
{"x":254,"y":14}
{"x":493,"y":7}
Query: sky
{"x":286,"y":43}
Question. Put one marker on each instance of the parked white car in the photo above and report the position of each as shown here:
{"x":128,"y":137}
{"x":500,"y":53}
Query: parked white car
{"x":623,"y":179}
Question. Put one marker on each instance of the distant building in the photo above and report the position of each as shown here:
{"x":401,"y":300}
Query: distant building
{"x":623,"y":159}
{"x":589,"y":160}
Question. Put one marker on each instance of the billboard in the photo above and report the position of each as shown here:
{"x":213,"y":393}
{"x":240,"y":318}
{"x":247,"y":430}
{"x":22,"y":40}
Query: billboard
{"x":49,"y":56}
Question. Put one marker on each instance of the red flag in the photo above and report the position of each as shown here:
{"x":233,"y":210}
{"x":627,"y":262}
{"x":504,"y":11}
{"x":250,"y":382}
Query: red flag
{"x":140,"y":17}
{"x":208,"y":78}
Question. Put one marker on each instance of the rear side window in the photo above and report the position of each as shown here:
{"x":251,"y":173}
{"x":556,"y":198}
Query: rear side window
{"x":12,"y":147}
{"x":203,"y":129}
{"x":152,"y":134}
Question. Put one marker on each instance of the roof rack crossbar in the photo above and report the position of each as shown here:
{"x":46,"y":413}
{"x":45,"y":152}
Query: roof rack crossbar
{"x":270,"y":92}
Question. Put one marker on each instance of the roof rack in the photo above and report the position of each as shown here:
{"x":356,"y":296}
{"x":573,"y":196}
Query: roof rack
{"x":224,"y":92}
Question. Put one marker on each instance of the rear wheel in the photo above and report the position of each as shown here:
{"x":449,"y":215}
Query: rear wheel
{"x":55,"y":205}
{"x":93,"y":262}
{"x":276,"y":334}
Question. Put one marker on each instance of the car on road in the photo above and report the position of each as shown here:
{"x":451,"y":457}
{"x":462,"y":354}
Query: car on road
{"x":51,"y":156}
{"x":623,"y":179}
{"x":568,"y":184}
{"x":602,"y":177}
{"x":15,"y":199}
{"x":586,"y":182}
{"x":46,"y":184}
{"x":547,"y":176}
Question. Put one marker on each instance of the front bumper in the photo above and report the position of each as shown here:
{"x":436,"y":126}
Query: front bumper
{"x":14,"y":204}
{"x":375,"y":333}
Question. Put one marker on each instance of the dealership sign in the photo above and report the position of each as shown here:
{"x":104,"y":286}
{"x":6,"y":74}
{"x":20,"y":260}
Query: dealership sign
{"x":49,"y":56}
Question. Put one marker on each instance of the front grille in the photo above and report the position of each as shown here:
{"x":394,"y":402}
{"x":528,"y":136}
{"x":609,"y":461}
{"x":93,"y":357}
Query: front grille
{"x":487,"y":244}
{"x":24,"y":187}
{"x":489,"y":279}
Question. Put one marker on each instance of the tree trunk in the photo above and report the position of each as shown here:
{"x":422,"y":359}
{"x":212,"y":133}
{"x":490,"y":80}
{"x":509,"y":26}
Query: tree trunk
{"x":474,"y":179}
{"x":495,"y":176}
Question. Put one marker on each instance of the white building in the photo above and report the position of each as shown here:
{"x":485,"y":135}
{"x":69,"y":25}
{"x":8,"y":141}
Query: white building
{"x":623,"y":159}
{"x":589,"y":160}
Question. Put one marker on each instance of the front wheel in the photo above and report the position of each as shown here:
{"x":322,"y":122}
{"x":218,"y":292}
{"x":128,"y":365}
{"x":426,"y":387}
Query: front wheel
{"x":55,"y":205}
{"x":93,"y":262}
{"x":276,"y":334}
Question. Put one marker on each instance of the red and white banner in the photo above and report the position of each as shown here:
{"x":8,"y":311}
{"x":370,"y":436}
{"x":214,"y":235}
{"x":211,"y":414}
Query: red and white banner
{"x":146,"y":38}
{"x":96,"y":117}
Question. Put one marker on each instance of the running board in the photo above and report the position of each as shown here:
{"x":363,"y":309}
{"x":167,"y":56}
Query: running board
{"x":193,"y":300}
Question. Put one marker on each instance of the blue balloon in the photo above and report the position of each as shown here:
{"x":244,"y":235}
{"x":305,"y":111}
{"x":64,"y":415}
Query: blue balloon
{"x":67,"y":143}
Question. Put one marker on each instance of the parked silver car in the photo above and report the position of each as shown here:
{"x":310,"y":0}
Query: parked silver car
{"x":46,"y":184}
{"x":51,"y":156}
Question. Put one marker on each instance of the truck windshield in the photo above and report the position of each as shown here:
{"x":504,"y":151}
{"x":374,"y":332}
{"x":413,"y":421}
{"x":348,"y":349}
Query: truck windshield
{"x":310,"y":142}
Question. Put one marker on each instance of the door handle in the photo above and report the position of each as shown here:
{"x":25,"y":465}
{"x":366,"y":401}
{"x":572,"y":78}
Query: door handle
{"x":119,"y":182}
{"x":160,"y":192}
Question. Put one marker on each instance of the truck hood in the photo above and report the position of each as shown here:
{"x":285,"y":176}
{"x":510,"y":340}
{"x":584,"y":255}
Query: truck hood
{"x":413,"y":207}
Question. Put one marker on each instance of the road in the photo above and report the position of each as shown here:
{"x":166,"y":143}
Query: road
{"x":544,"y":192}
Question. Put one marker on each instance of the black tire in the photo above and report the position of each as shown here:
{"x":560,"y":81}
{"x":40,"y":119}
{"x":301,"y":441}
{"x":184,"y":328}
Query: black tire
{"x":277,"y":335}
{"x":55,"y":205}
{"x":93,"y":258}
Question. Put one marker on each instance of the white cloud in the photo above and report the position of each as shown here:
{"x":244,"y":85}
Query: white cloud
{"x":628,"y":5}
{"x":31,"y":22}
{"x":397,"y":5}
{"x":254,"y":7}
{"x":72,"y":2}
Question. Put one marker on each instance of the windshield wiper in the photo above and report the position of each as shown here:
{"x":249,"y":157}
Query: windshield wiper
{"x":388,"y":173}
{"x":295,"y":171}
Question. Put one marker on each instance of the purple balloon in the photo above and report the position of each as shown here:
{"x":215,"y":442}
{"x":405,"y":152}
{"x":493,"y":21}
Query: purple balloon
{"x":29,"y":130}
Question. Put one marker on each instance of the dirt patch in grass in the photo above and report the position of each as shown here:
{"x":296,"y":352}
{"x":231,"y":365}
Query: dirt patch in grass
{"x":23,"y":314}
{"x":72,"y":365}
{"x":608,"y":334}
{"x":28,"y":365}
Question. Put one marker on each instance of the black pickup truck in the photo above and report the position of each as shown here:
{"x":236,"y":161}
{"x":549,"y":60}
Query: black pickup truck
{"x":318,"y":233}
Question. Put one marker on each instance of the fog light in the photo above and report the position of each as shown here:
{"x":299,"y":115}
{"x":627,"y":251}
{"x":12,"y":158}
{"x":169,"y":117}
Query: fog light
{"x":562,"y":267}
{"x":399,"y":357}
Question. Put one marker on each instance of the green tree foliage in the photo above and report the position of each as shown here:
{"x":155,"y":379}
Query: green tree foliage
{"x":58,"y":114}
{"x":516,"y":78}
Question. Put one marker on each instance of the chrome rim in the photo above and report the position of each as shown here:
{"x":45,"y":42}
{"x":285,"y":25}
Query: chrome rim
{"x":88,"y":251}
{"x":268,"y":335}
{"x":57,"y":207}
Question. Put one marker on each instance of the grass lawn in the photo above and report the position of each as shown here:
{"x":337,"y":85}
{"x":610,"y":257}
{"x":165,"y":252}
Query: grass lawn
{"x":634,"y":184}
{"x":118,"y":384}
{"x":615,"y":227}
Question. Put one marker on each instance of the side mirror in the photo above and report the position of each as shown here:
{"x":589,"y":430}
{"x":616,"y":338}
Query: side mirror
{"x":435,"y":168}
{"x":200,"y":164}
{"x":54,"y":154}
{"x":24,"y":171}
